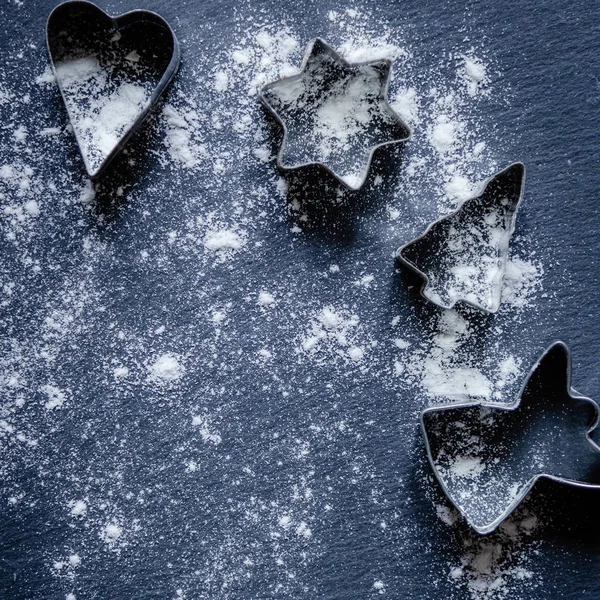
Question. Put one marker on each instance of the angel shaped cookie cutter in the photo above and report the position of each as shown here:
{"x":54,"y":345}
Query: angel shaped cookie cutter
{"x":488,"y":456}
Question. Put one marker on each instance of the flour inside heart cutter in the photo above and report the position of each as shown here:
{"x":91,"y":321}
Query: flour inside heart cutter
{"x":110,"y":71}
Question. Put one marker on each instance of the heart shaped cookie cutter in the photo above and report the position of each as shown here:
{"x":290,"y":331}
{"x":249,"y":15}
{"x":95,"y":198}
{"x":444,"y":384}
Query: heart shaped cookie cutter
{"x":110,"y":71}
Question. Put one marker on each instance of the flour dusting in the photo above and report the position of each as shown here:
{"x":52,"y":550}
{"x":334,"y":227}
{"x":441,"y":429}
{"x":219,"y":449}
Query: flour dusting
{"x":206,"y":362}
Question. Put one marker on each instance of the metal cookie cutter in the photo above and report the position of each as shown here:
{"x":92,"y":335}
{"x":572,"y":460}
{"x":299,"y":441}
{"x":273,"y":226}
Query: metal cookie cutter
{"x":110,"y":71}
{"x":334,"y":114}
{"x":488,"y":456}
{"x":463,"y":255}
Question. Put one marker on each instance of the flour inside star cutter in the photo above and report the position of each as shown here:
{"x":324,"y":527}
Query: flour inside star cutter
{"x":334,"y":114}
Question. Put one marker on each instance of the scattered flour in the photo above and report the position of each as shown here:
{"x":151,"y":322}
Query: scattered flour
{"x":167,"y":368}
{"x":111,"y":533}
{"x":449,"y":367}
{"x":74,"y":560}
{"x":56,"y":397}
{"x":406,"y":104}
{"x":121,"y":372}
{"x":460,"y":188}
{"x":207,"y":434}
{"x":365,"y":281}
{"x":474,"y":74}
{"x":47,"y":77}
{"x":223,"y":240}
{"x":359,"y":48}
{"x":444,"y":133}
{"x":303,"y":530}
{"x":443,"y":375}
{"x":183,"y":136}
{"x":78,"y":508}
{"x":334,"y":332}
{"x":446,"y":515}
{"x":101,"y":109}
{"x":356,"y":353}
{"x":466,"y":466}
{"x":266,"y":300}
{"x":522,"y":282}
{"x":496,"y":567}
{"x":221,"y":81}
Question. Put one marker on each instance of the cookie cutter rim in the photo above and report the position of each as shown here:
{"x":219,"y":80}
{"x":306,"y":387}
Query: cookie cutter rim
{"x":384,"y":90}
{"x":431,"y":225}
{"x":118,"y":21}
{"x":572,"y":393}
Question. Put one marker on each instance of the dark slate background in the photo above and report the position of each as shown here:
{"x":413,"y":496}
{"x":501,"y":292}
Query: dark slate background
{"x":548,"y":53}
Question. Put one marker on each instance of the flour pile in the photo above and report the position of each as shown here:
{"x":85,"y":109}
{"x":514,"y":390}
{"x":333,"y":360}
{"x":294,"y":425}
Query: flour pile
{"x":101,"y":106}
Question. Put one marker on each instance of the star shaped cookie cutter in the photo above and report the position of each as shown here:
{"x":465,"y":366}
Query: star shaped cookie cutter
{"x":462,"y":256}
{"x":334,"y":114}
{"x":488,"y":456}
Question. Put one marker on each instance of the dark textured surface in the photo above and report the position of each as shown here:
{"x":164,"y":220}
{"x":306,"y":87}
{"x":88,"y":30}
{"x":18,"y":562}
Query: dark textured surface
{"x":128,"y":448}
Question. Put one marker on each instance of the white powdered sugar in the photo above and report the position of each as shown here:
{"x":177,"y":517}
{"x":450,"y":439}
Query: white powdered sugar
{"x":208,"y":434}
{"x":56,"y":397}
{"x":466,"y":466}
{"x":522,"y":280}
{"x":101,"y":110}
{"x":78,"y":508}
{"x":167,"y":368}
{"x":223,"y":240}
{"x":265,"y":299}
{"x":183,"y":135}
{"x":498,"y":566}
{"x":406,"y":104}
{"x":443,"y":369}
{"x":334,"y":331}
{"x":474,"y":74}
{"x":111,"y":533}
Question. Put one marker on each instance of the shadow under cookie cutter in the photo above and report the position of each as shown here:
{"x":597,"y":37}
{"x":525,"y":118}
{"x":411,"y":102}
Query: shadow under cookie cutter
{"x":463,"y":255}
{"x":488,"y":456}
{"x":110,"y":71}
{"x":334,"y":114}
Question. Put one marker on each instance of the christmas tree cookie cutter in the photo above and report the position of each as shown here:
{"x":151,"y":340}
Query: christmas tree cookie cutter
{"x":111,"y":71}
{"x":462,"y":256}
{"x":488,"y":456}
{"x":334,"y":114}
